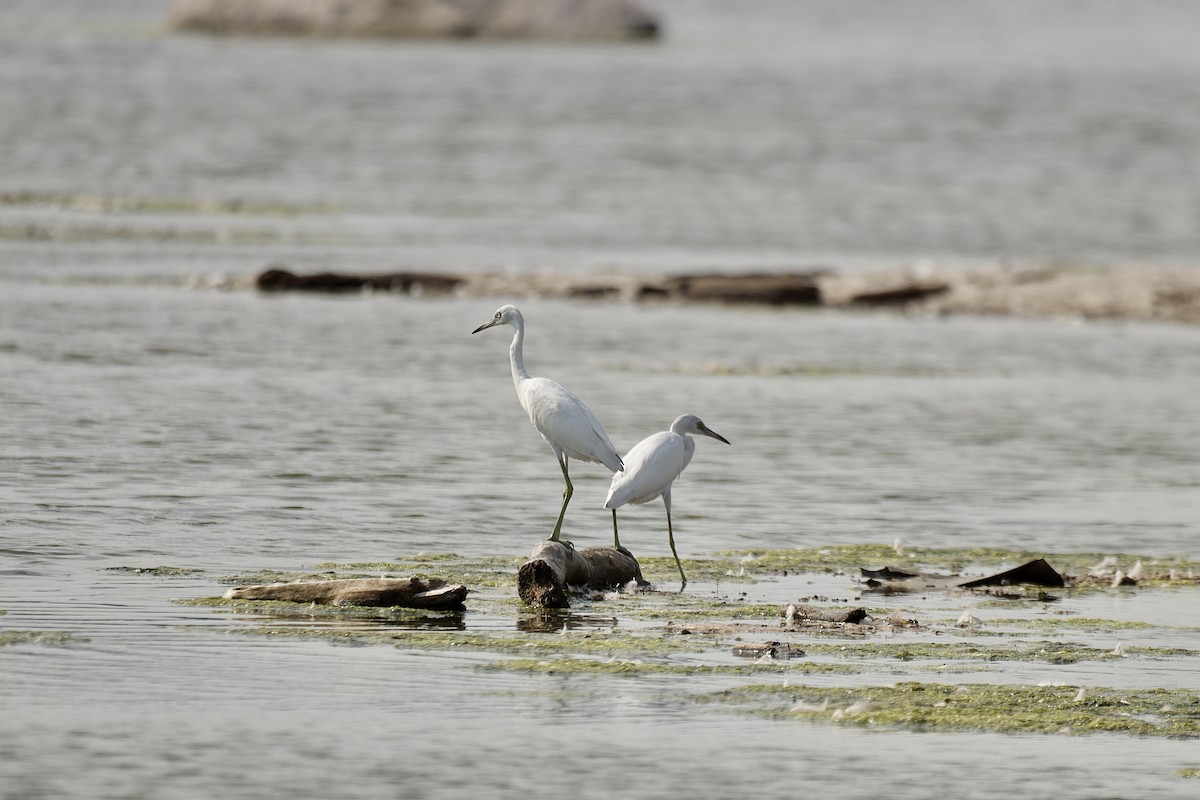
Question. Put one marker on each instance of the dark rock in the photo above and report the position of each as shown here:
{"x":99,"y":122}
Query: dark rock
{"x":1036,"y":573}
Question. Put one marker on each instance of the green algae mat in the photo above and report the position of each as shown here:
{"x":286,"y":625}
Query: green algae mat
{"x":1113,"y":651}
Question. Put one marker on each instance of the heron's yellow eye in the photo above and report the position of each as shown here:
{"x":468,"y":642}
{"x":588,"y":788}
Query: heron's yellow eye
{"x":497,"y":315}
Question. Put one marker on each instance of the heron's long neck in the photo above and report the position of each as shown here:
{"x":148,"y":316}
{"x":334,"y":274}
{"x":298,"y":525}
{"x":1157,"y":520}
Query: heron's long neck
{"x":516,"y":355}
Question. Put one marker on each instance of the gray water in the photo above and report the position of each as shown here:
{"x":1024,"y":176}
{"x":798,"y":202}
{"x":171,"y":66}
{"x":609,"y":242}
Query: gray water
{"x":766,"y":133}
{"x":146,"y":423}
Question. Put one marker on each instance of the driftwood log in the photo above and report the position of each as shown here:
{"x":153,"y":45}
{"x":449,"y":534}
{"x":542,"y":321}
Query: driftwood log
{"x":552,"y":567}
{"x":793,"y":611}
{"x":431,"y":594}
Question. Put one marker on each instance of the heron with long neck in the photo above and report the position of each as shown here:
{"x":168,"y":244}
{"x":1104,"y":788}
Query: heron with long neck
{"x":563,"y":420}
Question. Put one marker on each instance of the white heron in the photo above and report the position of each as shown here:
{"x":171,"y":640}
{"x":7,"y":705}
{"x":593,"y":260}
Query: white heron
{"x":652,"y":466}
{"x":563,"y":420}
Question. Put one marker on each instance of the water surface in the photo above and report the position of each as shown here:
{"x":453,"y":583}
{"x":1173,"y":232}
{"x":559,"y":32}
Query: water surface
{"x":143,"y":423}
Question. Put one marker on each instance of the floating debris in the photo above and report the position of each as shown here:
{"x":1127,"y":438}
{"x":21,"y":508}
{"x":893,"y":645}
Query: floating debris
{"x":968,"y":620}
{"x":768,"y":650}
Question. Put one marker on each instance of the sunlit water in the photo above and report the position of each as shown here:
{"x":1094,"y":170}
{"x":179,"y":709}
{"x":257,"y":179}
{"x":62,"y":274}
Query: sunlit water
{"x":142,"y":424}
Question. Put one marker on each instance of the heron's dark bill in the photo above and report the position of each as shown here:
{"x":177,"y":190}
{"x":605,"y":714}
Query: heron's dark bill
{"x":707,"y":431}
{"x":484,"y":326}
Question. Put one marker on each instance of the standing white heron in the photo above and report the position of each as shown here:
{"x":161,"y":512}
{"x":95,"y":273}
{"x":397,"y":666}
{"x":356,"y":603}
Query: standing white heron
{"x":567,"y":425}
{"x":652,"y":466}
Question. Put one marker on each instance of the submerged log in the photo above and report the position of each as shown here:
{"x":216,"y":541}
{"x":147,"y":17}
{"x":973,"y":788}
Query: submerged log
{"x":552,"y":567}
{"x":433,"y":594}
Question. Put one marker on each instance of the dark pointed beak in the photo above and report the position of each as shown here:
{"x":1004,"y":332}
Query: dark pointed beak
{"x":707,"y":431}
{"x":484,"y":326}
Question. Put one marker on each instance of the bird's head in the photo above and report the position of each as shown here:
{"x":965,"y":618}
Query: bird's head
{"x":690,"y":423}
{"x":505,"y":315}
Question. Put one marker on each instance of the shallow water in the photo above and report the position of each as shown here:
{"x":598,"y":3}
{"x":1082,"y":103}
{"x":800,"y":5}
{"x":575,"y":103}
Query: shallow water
{"x":826,"y":132}
{"x":231,"y":432}
{"x":146,"y":424}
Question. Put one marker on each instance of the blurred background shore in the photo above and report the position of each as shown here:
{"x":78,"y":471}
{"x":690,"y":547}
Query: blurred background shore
{"x":902,"y":138}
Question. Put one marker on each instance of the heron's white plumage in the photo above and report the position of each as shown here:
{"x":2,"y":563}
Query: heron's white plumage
{"x":566,"y":422}
{"x":563,"y":420}
{"x":652,"y":466}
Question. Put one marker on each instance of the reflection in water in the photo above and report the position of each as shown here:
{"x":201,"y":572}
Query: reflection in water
{"x":361,"y":619}
{"x":561,"y":620}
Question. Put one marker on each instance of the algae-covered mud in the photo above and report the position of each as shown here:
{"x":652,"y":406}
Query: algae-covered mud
{"x":1005,"y":708}
{"x":941,"y":659}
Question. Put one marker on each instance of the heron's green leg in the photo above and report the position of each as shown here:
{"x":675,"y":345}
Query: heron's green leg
{"x":671,"y":539}
{"x":568,"y":490}
{"x":616,"y":539}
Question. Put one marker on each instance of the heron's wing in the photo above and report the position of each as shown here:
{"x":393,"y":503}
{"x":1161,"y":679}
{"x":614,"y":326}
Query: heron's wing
{"x":566,"y":421}
{"x":650,"y":467}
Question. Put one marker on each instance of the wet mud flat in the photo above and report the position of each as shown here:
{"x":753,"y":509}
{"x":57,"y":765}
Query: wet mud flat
{"x":802,"y":635}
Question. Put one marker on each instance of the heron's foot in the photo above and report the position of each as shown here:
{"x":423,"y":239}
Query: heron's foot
{"x":569,"y":544}
{"x":625,"y":550}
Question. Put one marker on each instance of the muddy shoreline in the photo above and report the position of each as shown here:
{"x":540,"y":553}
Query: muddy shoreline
{"x":1118,"y":293}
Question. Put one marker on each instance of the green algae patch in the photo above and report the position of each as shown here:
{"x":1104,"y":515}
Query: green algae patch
{"x":475,"y":573}
{"x":314,"y":611}
{"x":778,"y":370}
{"x":656,"y":625}
{"x":702,"y":609}
{"x":553,"y":645}
{"x":162,"y":572}
{"x":280,"y":576}
{"x":1080,"y":624}
{"x":1188,"y":772}
{"x":1048,"y":652}
{"x":127,"y":204}
{"x":55,"y":638}
{"x":627,"y":668}
{"x":979,"y":707}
